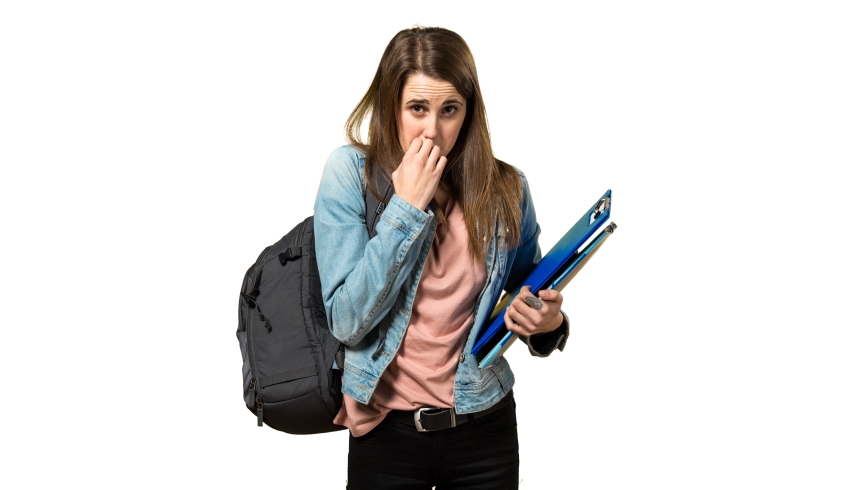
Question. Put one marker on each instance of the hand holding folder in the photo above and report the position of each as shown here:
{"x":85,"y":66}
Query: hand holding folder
{"x":530,"y":313}
{"x":554,"y":271}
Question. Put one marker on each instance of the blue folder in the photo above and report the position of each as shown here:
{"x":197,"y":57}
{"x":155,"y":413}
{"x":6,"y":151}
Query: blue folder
{"x":553,"y":271}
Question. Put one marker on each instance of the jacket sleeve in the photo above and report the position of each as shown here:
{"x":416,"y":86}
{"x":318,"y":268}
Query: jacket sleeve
{"x":527,"y":256}
{"x":361,"y":278}
{"x":541,"y":345}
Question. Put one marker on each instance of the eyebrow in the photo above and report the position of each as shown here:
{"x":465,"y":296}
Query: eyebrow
{"x":423,"y":101}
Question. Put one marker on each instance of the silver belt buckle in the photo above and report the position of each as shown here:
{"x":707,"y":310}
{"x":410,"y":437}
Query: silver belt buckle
{"x":418,"y":422}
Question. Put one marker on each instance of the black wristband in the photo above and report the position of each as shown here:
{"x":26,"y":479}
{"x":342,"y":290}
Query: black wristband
{"x":545,"y":343}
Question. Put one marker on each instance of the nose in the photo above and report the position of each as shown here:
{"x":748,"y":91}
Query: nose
{"x":430,"y":127}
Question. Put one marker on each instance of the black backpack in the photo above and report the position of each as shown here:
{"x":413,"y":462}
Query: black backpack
{"x":287,"y":349}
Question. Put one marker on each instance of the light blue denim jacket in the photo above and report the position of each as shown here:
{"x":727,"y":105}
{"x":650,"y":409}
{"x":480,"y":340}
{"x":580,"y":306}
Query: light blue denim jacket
{"x":366,"y":282}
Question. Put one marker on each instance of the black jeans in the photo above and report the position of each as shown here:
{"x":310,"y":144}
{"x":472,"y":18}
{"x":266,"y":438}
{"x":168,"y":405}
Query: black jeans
{"x":480,"y":454}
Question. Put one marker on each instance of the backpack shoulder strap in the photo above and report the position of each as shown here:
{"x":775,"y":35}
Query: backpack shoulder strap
{"x":375,"y":206}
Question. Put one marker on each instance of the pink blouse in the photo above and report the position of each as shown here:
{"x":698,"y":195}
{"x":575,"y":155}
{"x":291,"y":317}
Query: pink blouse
{"x":423,"y":371}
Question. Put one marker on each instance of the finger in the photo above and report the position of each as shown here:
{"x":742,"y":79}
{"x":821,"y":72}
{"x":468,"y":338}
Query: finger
{"x":414,"y":147}
{"x":532,"y":317}
{"x":533,"y":301}
{"x":434,"y":157}
{"x":441,"y":163}
{"x":521,"y":325}
{"x":530,"y":299}
{"x":434,"y":153}
{"x":425,"y":150}
{"x":552,"y":296}
{"x":510,"y":324}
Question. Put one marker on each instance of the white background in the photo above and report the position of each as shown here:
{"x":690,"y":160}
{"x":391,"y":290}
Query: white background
{"x":150,"y":150}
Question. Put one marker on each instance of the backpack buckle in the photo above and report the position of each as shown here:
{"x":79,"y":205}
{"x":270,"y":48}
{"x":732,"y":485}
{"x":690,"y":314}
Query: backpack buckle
{"x":290,"y":253}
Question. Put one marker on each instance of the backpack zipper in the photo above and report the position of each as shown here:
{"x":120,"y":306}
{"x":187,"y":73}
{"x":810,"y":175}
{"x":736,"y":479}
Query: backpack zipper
{"x":259,"y":412}
{"x":253,"y":391}
{"x":254,"y":384}
{"x":256,"y":394}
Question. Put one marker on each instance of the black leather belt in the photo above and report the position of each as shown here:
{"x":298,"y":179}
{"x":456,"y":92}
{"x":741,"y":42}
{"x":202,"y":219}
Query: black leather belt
{"x":427,"y":419}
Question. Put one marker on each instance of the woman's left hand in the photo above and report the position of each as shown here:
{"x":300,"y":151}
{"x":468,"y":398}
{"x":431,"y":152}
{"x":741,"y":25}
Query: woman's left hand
{"x":523,"y":319}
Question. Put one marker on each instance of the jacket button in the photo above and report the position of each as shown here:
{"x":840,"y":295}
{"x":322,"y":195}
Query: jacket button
{"x":462,"y":356}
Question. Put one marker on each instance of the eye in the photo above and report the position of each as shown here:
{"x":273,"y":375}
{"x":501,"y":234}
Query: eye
{"x":450,"y":109}
{"x":417,"y":108}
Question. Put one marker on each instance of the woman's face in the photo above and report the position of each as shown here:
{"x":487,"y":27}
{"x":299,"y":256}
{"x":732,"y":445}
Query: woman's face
{"x":430,"y":108}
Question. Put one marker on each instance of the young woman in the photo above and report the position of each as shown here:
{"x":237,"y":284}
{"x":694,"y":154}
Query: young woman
{"x":409,"y":303}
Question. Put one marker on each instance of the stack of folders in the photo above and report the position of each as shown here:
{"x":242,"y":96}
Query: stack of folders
{"x":554,"y":271}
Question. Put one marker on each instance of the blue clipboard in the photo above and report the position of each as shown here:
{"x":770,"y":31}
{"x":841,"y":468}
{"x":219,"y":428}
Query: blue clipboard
{"x":554,"y":270}
{"x":572,"y":268}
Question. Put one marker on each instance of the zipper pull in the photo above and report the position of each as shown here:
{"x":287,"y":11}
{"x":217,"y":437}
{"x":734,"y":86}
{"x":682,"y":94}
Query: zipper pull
{"x":265,"y":321}
{"x":252,"y":392}
{"x":259,"y":413}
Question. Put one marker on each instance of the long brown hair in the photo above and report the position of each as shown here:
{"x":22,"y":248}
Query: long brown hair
{"x":485,"y":188}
